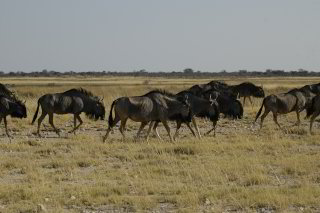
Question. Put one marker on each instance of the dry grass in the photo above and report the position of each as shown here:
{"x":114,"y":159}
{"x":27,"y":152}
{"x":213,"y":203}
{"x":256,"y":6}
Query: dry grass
{"x":242,"y":169}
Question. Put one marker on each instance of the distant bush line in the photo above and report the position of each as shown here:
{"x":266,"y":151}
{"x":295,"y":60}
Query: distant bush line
{"x":187,"y":73}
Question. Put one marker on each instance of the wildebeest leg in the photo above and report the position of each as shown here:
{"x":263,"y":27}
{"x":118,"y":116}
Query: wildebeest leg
{"x":5,"y":126}
{"x":275,"y":119}
{"x":193,"y":133}
{"x":213,"y":128}
{"x":149,"y":129}
{"x":76,"y":116}
{"x":122,"y":127}
{"x":165,"y":124}
{"x":107,"y":134}
{"x":298,"y":118}
{"x":43,"y":115}
{"x":51,"y":123}
{"x":155,"y":130}
{"x":196,"y":126}
{"x":115,"y":121}
{"x":244,"y":100}
{"x":177,"y":130}
{"x":142,"y":125}
{"x":314,"y":115}
{"x":266,"y":112}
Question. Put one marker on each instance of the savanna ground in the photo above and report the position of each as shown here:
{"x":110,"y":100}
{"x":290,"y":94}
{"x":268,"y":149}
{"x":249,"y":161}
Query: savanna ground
{"x":242,"y":169}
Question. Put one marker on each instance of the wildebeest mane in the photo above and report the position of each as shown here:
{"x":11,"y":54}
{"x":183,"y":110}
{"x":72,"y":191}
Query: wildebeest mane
{"x":83,"y":92}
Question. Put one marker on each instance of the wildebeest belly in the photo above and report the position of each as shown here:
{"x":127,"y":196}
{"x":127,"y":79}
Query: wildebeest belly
{"x":68,"y":104}
{"x":286,"y":103}
{"x":139,"y":109}
{"x":141,"y":112}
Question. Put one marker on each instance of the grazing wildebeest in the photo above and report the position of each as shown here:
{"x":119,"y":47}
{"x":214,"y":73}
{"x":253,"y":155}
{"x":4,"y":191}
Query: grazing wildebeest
{"x":73,"y":101}
{"x":247,"y":89}
{"x":284,"y":103}
{"x":228,"y":105}
{"x":157,"y":105}
{"x":201,"y":108}
{"x":13,"y":107}
{"x":314,"y":110}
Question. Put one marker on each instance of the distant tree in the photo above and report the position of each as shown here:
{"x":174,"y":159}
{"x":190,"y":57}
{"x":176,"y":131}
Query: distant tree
{"x":188,"y":71}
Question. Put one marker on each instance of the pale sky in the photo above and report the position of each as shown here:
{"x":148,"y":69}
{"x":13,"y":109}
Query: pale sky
{"x":163,"y":35}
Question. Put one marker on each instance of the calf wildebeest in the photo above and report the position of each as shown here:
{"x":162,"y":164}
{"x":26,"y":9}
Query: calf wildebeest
{"x":157,"y":105}
{"x":314,"y":110}
{"x":284,"y":103}
{"x":201,"y":108}
{"x":73,"y":101}
{"x":13,"y":107}
{"x":228,"y":105}
{"x":247,"y":89}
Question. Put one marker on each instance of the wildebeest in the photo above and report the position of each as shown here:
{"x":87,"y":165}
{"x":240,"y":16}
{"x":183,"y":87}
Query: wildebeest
{"x":228,"y":105}
{"x":157,"y":105}
{"x":10,"y":105}
{"x":14,"y":108}
{"x":201,"y":108}
{"x":247,"y":89}
{"x":73,"y":101}
{"x":284,"y":103}
{"x":313,"y":110}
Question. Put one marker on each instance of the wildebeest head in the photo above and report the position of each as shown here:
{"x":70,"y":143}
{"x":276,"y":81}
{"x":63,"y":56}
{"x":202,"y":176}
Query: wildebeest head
{"x":214,"y":109}
{"x":97,"y":110}
{"x":19,"y":110}
{"x":259,"y":93}
{"x":185,"y":110}
{"x":101,"y":111}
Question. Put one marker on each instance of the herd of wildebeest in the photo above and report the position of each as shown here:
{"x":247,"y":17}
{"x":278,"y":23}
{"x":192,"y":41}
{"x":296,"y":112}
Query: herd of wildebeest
{"x":199,"y":101}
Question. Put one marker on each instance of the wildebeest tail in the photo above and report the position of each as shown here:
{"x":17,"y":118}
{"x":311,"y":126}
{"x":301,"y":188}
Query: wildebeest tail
{"x":259,"y":112}
{"x":36,"y":113}
{"x":310,"y":108}
{"x":110,"y":120}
